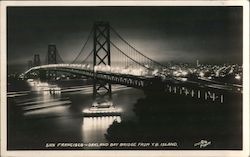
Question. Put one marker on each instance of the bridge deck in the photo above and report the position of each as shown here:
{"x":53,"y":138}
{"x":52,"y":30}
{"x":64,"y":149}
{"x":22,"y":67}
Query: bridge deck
{"x":139,"y":81}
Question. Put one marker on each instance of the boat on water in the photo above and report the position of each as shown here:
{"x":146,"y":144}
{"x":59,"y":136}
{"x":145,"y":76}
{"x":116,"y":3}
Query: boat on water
{"x":103,"y":109}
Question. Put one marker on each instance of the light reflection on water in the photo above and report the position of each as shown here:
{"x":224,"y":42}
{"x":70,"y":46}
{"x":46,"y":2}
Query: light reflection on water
{"x":94,"y":128}
{"x":49,"y":102}
{"x":44,"y":87}
{"x":55,"y":110}
{"x":59,"y":114}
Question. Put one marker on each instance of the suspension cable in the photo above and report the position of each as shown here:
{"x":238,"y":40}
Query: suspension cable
{"x":87,"y":56}
{"x":59,"y":56}
{"x":129,"y":57}
{"x":135,"y":48}
{"x":83,"y":45}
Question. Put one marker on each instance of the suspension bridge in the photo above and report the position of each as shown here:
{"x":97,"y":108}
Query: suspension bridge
{"x":109,"y":59}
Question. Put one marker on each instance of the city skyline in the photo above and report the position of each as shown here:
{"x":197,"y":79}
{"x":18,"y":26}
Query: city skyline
{"x":162,"y":33}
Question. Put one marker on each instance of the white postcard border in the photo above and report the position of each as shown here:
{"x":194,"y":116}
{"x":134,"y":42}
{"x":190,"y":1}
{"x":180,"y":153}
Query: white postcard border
{"x":200,"y":153}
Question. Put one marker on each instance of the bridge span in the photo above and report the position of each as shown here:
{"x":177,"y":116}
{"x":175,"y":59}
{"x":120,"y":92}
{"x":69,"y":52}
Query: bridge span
{"x":200,"y":89}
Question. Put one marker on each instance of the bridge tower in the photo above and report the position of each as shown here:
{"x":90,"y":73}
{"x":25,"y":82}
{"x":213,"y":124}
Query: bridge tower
{"x":52,"y":59}
{"x":30,"y":64}
{"x":36,"y":61}
{"x":52,"y":54}
{"x":101,"y":90}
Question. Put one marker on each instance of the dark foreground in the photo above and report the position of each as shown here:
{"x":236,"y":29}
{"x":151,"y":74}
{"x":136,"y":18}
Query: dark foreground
{"x":166,"y":118}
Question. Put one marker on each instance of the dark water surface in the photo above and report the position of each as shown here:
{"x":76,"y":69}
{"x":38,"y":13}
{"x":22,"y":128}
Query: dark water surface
{"x":36,"y":117}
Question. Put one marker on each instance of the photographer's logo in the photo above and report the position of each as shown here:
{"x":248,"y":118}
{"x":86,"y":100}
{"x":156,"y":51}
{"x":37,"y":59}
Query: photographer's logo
{"x":202,"y":143}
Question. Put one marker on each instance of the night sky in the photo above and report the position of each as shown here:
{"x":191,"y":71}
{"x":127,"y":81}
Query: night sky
{"x":184,"y":34}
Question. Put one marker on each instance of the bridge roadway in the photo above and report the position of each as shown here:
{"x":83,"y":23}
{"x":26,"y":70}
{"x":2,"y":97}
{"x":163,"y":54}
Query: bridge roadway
{"x":199,"y":88}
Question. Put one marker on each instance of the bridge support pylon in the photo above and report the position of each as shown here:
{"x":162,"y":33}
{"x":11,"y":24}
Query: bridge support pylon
{"x":102,"y":91}
{"x":52,"y":59}
{"x":42,"y":75}
{"x":30,"y":64}
{"x":52,"y":52}
{"x":36,"y":61}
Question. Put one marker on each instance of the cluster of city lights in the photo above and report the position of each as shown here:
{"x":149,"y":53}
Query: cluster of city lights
{"x":207,"y":71}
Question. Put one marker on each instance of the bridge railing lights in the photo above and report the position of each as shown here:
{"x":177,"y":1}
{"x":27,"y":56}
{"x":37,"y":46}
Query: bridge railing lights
{"x":201,"y":74}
